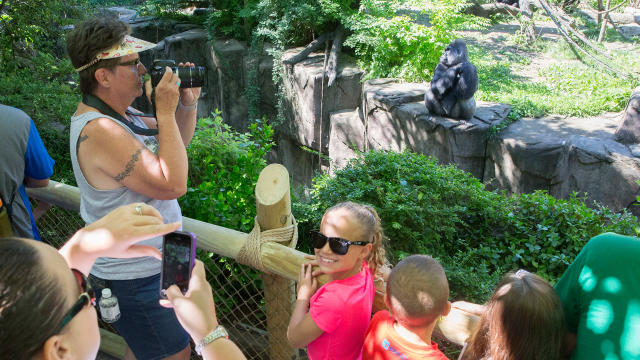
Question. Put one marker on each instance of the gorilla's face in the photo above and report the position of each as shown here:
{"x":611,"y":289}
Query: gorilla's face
{"x":454,"y":54}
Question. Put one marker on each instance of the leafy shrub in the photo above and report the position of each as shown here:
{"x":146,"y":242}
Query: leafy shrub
{"x":223,"y":170}
{"x":392,"y":45}
{"x":477,"y":234}
{"x":40,"y":88}
{"x":34,"y":24}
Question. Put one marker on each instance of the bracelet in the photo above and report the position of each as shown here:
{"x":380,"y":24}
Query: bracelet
{"x":188,"y":107}
{"x":216,"y":334}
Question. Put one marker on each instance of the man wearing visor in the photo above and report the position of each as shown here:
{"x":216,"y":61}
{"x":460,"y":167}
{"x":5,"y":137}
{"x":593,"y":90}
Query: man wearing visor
{"x":119,"y":157}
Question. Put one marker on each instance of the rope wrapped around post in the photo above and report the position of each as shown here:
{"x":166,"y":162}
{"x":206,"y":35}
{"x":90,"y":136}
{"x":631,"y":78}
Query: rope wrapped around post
{"x":250,"y":252}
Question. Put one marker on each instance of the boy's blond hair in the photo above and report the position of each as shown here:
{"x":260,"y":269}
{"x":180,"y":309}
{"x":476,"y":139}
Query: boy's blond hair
{"x":418,"y":288}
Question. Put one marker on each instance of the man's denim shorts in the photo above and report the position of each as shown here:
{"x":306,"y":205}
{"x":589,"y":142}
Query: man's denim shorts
{"x":150,"y":330}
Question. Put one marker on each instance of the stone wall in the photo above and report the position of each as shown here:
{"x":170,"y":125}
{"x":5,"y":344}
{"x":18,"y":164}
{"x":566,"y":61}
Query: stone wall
{"x":327,"y":126}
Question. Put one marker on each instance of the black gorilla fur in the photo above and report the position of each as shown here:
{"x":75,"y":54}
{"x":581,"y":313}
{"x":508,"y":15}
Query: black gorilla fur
{"x":454,"y":82}
{"x":509,"y":2}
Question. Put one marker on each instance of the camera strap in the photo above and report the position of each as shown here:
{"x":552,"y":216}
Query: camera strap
{"x":96,"y":102}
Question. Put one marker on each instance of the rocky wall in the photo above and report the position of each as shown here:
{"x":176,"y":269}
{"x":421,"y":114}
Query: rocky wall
{"x":326,"y":126}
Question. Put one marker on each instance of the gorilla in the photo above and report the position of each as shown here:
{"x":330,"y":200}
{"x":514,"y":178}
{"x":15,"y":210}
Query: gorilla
{"x":454,"y":82}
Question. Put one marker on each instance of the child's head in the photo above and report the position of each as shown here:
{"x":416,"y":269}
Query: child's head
{"x":524,"y":320}
{"x":355,"y":223}
{"x":418,"y":291}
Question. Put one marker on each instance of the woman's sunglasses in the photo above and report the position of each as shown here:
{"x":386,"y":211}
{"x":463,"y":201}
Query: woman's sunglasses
{"x":87,"y":296}
{"x":338,"y":245}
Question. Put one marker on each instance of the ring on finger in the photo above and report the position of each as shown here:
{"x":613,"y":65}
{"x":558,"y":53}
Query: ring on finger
{"x":139,"y":209}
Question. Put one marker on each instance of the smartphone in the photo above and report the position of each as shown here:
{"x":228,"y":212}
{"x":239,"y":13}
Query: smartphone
{"x":178,"y":259}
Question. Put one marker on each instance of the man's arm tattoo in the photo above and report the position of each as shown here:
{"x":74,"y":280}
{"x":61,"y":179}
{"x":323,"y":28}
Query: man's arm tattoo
{"x":129,"y":167}
{"x":83,"y":138}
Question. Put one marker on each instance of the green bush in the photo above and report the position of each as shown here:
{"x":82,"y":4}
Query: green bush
{"x":223,"y":170}
{"x":477,"y":234}
{"x":391,"y":45}
{"x":38,"y":88}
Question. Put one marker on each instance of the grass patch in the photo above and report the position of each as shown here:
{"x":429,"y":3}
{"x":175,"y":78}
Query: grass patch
{"x":566,"y":88}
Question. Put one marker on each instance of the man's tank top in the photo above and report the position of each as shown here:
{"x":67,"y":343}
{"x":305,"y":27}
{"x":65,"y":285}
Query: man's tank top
{"x":95,"y":203}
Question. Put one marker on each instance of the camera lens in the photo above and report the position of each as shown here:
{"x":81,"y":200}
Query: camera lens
{"x":190,"y":76}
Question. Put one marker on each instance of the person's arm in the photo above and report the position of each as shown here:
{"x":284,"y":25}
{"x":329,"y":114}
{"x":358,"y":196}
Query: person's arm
{"x":196,"y":313}
{"x":105,"y":148}
{"x":41,"y":209}
{"x":35,"y":183}
{"x":302,"y":329}
{"x":115,"y":235}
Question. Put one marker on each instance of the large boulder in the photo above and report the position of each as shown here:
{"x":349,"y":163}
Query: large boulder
{"x":346,"y":138}
{"x":629,"y":130}
{"x":396,"y":119}
{"x":309,"y":101}
{"x":563,"y":155}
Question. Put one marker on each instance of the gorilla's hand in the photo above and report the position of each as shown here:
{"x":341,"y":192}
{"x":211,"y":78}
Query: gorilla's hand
{"x":442,"y":81}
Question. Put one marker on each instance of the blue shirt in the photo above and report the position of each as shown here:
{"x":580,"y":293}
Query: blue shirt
{"x":38,"y":165}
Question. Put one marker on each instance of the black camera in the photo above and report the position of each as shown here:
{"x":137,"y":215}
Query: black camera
{"x":189,"y":76}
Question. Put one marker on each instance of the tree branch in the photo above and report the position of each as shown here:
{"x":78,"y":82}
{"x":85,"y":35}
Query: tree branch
{"x":313,"y":46}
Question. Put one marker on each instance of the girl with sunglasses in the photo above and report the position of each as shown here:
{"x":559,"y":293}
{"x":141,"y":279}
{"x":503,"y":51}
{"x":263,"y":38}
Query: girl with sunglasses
{"x":45,"y":298}
{"x":331,"y":322}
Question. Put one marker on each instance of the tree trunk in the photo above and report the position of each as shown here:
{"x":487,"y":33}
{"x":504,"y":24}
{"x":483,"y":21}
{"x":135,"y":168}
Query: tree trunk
{"x":603,"y":28}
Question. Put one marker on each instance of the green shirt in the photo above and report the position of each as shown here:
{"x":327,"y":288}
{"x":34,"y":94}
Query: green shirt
{"x":600,"y":292}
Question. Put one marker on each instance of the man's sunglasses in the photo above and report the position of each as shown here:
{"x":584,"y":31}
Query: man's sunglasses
{"x":134,"y":62}
{"x":87,"y":296}
{"x":338,"y":245}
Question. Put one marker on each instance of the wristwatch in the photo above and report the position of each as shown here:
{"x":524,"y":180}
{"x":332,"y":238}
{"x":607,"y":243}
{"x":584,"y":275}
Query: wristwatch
{"x":216,"y":334}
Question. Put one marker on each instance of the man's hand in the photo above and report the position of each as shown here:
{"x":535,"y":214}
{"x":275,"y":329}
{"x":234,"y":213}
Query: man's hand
{"x":189,"y":96}
{"x":167,"y":94}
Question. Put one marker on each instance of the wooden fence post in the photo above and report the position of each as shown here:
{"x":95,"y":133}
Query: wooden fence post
{"x":273,"y":208}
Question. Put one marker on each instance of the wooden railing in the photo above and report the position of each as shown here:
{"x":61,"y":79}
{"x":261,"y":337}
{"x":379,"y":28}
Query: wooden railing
{"x":278,"y":259}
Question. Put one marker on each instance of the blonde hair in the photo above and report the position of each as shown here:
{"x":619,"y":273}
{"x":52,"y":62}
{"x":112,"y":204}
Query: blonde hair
{"x":371,"y":229}
{"x":524,"y":320}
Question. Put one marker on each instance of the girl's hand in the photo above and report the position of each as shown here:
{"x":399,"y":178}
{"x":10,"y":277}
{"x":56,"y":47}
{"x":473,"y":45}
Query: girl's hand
{"x":115,"y":235}
{"x":307,"y":283}
{"x":195,"y":310}
{"x":314,"y":263}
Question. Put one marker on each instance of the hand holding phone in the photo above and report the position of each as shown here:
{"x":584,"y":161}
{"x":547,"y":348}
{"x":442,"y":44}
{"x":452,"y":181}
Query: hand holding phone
{"x":178,"y":255}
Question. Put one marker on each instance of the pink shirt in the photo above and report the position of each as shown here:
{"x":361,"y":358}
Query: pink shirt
{"x":342,"y":309}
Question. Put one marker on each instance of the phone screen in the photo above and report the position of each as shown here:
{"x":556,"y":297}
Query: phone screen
{"x":178,"y":252}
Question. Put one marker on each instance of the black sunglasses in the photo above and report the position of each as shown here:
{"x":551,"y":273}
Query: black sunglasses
{"x":87,"y":296}
{"x":338,"y":245}
{"x":134,"y":62}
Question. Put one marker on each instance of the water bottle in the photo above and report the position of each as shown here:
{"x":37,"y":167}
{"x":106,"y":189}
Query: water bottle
{"x":109,"y":309}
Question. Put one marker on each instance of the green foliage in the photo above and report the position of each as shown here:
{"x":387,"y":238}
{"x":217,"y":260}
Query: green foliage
{"x":29,"y":24}
{"x":391,"y":45}
{"x":38,"y":87}
{"x":567,"y":87}
{"x":223,"y":170}
{"x":477,"y":234}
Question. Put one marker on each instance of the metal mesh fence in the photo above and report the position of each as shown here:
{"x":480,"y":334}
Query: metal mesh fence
{"x":238,"y":292}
